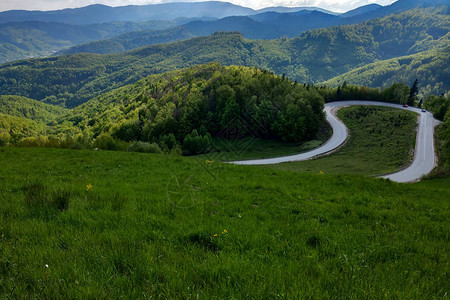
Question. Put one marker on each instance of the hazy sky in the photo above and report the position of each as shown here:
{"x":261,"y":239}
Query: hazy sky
{"x":334,"y":5}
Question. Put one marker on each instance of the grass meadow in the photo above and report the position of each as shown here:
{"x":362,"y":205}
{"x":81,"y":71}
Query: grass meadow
{"x":100,"y":224}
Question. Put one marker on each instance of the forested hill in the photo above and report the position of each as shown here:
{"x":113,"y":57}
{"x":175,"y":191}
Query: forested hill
{"x":432,"y":76}
{"x":315,"y":56}
{"x":169,"y":109}
{"x":341,"y":49}
{"x":22,"y":117}
{"x":31,"y":109}
{"x":241,"y":101}
{"x":397,"y":7}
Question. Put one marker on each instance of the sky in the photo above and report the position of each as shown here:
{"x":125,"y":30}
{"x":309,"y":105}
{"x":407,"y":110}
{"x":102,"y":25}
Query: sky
{"x":333,"y":5}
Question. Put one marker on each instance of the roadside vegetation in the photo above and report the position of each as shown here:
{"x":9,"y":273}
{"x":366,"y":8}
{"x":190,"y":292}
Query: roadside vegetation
{"x":440,"y":107}
{"x":381,"y":141}
{"x":256,"y":148}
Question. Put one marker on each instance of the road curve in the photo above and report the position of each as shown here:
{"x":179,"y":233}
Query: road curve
{"x":424,"y":157}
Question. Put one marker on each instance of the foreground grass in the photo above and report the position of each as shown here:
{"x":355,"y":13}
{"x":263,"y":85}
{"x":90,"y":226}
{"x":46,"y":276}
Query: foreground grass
{"x":381,"y":141}
{"x":83,"y":224}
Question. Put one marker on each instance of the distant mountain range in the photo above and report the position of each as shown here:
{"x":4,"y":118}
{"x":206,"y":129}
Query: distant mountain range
{"x":266,"y":25}
{"x":323,"y":48}
{"x":39,"y":39}
{"x":315,"y":56}
{"x":31,"y":34}
{"x":133,"y":13}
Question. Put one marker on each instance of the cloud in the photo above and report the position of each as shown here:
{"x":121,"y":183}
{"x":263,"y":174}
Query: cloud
{"x":334,"y":5}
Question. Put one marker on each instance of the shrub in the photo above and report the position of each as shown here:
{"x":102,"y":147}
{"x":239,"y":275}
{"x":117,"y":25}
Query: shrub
{"x":144,"y":147}
{"x":170,"y":141}
{"x":194,"y":143}
{"x":4,"y":138}
{"x":32,"y":142}
{"x":106,"y":142}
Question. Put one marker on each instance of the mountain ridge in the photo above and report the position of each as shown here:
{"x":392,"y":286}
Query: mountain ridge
{"x":269,"y":25}
{"x":315,"y":56}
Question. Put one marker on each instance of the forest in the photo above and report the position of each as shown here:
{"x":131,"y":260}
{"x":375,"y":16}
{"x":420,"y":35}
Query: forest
{"x":184,"y":110}
{"x":315,"y":56}
{"x":204,"y":101}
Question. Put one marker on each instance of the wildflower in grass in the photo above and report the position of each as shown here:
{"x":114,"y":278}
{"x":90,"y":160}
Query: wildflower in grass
{"x":89,"y":187}
{"x":46,"y":266}
{"x":321,"y":173}
{"x":215,"y":235}
{"x":209,"y":162}
{"x":224,"y":231}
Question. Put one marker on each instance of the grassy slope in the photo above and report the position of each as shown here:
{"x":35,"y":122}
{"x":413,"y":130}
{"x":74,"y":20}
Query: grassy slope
{"x":287,"y":234}
{"x":381,"y":141}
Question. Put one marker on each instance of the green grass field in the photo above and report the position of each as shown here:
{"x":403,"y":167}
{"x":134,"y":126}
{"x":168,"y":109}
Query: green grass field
{"x":85,"y":224}
{"x":256,"y":148}
{"x":371,"y":149}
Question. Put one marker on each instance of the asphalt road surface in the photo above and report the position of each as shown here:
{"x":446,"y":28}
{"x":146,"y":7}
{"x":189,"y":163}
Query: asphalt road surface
{"x":424,"y":158}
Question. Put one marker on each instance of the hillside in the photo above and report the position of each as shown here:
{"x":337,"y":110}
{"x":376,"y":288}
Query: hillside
{"x":395,"y":8}
{"x":323,"y":51}
{"x":432,"y":77}
{"x":237,"y":101}
{"x":13,"y":129}
{"x":31,"y":109}
{"x":22,"y":40}
{"x":21,"y":118}
{"x":315,"y":56}
{"x":72,"y":80}
{"x":131,"y":40}
{"x":361,"y":10}
{"x":210,"y":100}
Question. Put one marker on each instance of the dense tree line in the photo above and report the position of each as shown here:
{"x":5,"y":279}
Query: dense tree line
{"x":440,"y":107}
{"x":232,"y":102}
{"x":396,"y":93}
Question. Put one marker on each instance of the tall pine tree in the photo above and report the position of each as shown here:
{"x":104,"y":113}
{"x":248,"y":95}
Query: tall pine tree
{"x":413,"y":93}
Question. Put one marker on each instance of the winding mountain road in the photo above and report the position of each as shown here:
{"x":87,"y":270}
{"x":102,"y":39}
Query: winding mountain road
{"x":424,"y":158}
